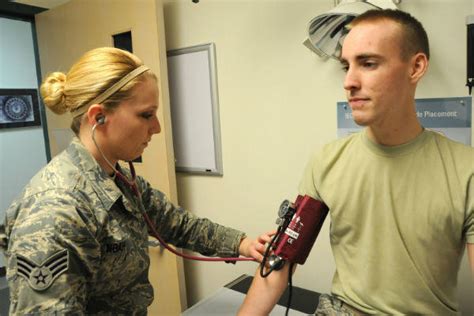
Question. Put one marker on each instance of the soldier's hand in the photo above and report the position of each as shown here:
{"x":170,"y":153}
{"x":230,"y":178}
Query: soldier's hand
{"x":255,"y":248}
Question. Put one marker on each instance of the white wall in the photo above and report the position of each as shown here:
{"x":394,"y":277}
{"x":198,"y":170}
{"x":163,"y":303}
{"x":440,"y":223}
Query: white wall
{"x":277,"y":105}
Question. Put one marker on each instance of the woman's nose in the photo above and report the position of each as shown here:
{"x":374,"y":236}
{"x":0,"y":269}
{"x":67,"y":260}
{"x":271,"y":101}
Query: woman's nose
{"x":155,"y":127}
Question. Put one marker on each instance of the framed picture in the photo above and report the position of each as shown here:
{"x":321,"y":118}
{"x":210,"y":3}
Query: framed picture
{"x":19,"y":108}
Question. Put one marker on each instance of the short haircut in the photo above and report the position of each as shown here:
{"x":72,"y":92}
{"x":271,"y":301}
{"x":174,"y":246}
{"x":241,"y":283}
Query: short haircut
{"x":413,"y":38}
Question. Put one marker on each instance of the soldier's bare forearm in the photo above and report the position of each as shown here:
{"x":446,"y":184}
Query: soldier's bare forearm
{"x":264,"y":293}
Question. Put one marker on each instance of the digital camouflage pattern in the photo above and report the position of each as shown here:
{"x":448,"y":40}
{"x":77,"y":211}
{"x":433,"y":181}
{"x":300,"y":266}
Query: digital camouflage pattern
{"x":332,"y":306}
{"x":77,"y":242}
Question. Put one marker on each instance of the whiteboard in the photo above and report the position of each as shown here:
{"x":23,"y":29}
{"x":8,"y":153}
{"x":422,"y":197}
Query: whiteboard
{"x":195,"y":109}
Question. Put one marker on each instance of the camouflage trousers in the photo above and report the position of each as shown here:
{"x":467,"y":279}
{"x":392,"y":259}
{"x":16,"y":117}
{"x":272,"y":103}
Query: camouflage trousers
{"x":332,"y":306}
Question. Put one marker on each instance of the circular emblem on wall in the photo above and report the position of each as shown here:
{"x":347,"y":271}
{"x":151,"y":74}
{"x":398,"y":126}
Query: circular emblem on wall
{"x":16,"y":108}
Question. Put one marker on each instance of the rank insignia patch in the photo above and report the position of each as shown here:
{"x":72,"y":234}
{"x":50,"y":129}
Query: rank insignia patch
{"x":40,"y":277}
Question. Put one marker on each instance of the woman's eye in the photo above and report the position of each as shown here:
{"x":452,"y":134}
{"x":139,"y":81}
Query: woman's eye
{"x":147,"y":115}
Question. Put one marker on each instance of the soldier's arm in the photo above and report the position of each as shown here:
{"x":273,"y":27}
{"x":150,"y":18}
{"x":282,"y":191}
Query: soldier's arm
{"x":469,"y":224}
{"x":51,"y":254}
{"x":264,"y":293}
{"x":185,"y":230}
{"x":470,"y":253}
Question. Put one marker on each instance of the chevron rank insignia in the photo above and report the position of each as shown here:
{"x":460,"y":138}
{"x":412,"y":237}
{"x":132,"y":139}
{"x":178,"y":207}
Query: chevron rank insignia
{"x":40,"y":277}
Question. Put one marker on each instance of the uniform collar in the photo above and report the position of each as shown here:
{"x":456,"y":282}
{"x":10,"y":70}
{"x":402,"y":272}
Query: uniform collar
{"x":100,"y":181}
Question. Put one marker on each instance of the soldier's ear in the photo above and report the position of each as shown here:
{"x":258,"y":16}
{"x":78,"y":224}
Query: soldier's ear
{"x":418,"y":66}
{"x":95,"y":113}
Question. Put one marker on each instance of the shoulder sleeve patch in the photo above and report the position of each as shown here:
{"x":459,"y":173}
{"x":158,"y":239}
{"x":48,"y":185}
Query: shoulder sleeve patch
{"x":40,"y":277}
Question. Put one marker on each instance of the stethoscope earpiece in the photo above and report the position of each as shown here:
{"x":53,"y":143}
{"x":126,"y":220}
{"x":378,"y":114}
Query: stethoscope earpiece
{"x":100,"y":120}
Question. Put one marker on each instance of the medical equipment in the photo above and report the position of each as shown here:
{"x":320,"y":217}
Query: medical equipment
{"x":326,"y":31}
{"x":299,"y":224}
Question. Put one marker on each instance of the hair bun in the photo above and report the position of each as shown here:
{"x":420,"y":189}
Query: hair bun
{"x":52,"y":92}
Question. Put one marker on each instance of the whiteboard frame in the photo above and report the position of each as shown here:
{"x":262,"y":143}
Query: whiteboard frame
{"x":217,"y":169}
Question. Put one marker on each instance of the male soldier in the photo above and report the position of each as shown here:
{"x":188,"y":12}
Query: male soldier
{"x":401,"y":198}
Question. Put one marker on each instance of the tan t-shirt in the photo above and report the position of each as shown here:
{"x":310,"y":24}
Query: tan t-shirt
{"x":400,"y":219}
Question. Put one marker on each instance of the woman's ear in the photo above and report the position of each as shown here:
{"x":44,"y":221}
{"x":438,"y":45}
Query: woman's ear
{"x":94,"y":113}
{"x":419,"y":66}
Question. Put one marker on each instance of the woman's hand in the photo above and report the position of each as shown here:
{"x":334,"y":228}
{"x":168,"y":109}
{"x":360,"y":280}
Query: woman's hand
{"x":255,"y":248}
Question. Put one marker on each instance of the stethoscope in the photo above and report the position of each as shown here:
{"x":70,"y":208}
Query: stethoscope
{"x":132,"y":185}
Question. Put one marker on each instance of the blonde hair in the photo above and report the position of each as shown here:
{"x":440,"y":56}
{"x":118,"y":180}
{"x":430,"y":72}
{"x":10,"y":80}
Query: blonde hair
{"x":95,"y":72}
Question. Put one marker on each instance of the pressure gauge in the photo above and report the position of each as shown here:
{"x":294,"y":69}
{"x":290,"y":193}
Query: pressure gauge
{"x":284,"y":208}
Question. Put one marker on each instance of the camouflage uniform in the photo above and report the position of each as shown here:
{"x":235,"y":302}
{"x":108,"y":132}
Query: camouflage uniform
{"x":77,"y":242}
{"x":332,"y":306}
